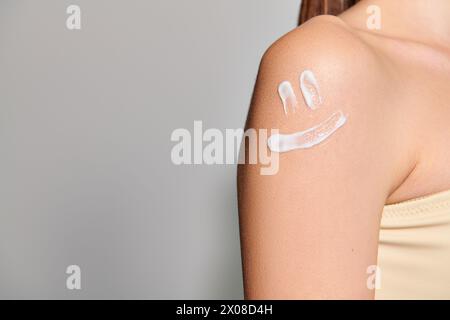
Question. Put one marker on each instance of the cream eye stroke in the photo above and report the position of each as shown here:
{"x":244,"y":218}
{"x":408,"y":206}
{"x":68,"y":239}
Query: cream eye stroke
{"x":310,"y":89}
{"x":287,"y":96}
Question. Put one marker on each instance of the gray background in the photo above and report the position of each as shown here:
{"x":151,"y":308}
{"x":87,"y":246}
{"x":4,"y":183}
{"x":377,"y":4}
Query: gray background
{"x":85,"y":122}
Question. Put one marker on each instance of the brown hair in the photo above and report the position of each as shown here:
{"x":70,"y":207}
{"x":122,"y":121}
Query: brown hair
{"x":312,"y":8}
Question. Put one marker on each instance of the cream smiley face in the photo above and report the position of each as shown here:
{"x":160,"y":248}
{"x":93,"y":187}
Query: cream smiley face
{"x":312,"y":136}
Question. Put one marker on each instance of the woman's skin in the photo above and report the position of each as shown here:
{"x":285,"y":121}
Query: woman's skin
{"x":311,"y":231}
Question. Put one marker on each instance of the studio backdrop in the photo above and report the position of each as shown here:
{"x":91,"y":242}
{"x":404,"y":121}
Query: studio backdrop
{"x":93,"y":98}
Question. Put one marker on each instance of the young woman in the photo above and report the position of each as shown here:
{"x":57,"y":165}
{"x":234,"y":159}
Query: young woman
{"x":362,"y":103}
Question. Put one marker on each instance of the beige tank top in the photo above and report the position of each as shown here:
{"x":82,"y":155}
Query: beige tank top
{"x":414,"y":249}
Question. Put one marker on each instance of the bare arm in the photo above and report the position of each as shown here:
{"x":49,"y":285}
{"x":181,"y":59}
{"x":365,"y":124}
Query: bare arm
{"x":311,"y":230}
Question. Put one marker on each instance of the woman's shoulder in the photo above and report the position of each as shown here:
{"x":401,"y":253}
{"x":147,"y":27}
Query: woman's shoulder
{"x":353,"y":79}
{"x":351,"y":73}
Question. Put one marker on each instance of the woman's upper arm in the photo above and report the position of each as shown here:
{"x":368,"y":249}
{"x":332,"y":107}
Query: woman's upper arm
{"x":311,"y":229}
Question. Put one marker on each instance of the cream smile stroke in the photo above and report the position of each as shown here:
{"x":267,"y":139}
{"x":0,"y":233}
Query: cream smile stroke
{"x":287,"y":96}
{"x":308,"y":138}
{"x":310,"y":89}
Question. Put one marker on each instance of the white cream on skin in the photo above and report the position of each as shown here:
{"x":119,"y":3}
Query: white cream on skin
{"x":287,"y":96}
{"x":308,"y":138}
{"x":310,"y":89}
